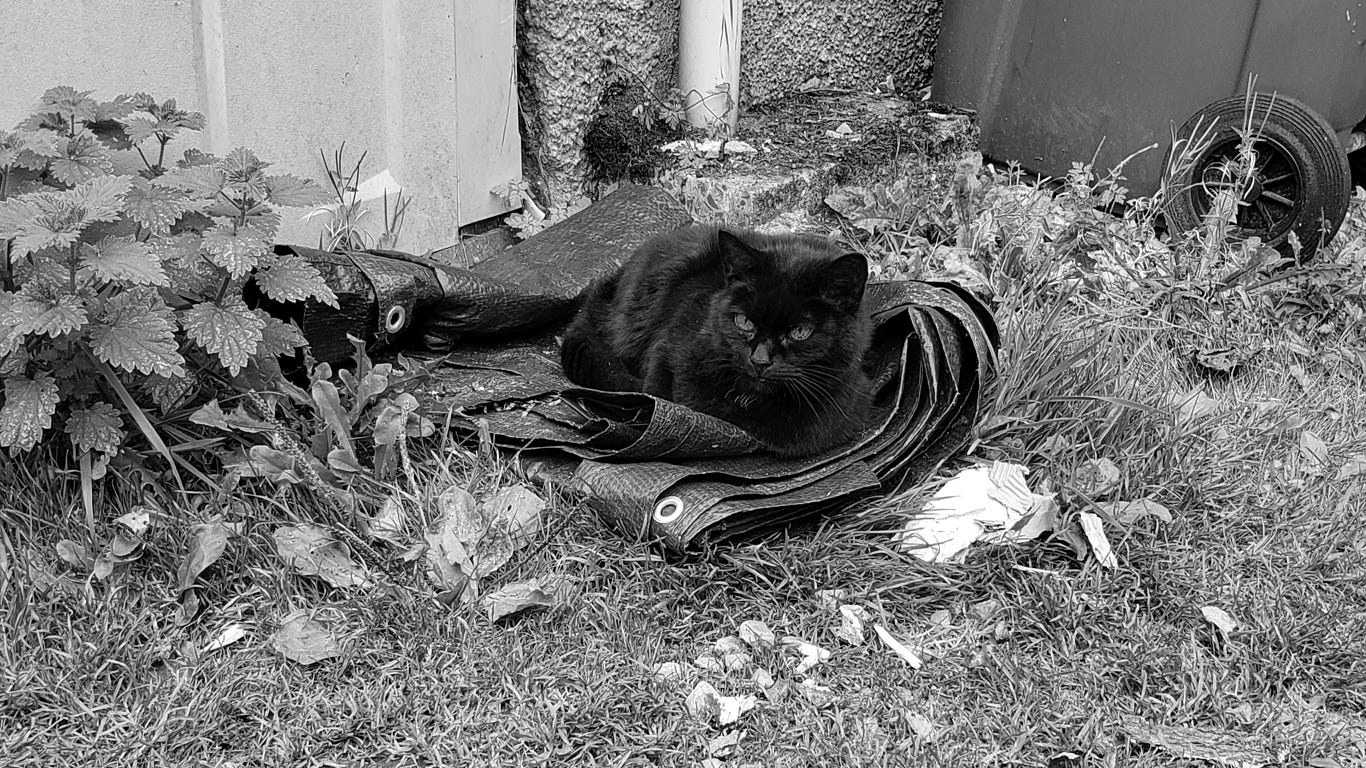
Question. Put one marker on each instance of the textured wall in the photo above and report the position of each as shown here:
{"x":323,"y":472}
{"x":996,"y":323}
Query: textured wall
{"x":569,"y":51}
{"x":850,"y":43}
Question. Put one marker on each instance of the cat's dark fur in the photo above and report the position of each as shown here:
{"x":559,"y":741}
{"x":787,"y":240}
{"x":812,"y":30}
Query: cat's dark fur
{"x":765,"y":331}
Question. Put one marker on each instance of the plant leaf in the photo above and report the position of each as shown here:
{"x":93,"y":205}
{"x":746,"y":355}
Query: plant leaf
{"x":98,"y":427}
{"x":27,"y":412}
{"x":65,"y":316}
{"x":15,"y":215}
{"x":198,"y":180}
{"x":81,"y":159}
{"x":290,"y":278}
{"x":293,"y":192}
{"x":235,"y":249}
{"x":157,"y":208}
{"x":124,"y":260}
{"x":138,"y":334}
{"x":228,"y":330}
{"x":515,"y":599}
{"x":211,"y":414}
{"x":278,"y":337}
{"x":327,"y":401}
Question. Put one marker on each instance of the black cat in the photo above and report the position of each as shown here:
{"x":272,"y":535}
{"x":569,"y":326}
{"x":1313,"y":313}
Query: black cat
{"x":765,"y":331}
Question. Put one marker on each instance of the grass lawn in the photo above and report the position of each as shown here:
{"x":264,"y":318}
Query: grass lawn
{"x":1030,"y":652}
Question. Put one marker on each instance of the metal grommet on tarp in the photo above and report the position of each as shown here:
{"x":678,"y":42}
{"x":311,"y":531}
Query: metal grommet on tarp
{"x":396,"y":319}
{"x":668,"y":510}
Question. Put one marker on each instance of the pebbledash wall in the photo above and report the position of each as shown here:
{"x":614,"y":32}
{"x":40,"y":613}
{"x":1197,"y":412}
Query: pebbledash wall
{"x":430,"y":88}
{"x":570,"y":50}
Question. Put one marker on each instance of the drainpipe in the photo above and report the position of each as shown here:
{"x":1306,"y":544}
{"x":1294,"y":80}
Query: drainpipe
{"x":709,"y":63}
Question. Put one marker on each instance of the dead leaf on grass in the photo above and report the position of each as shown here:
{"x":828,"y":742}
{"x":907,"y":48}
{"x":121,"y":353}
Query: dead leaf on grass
{"x":520,"y":509}
{"x":1193,"y":405}
{"x":819,"y":695}
{"x":123,"y":549}
{"x":674,"y":672}
{"x":136,"y":520}
{"x":517,"y":598}
{"x":208,"y":541}
{"x":1223,"y":747}
{"x":1354,"y":466}
{"x":811,"y":653}
{"x":923,"y":728}
{"x":389,"y":522}
{"x":1130,"y":512}
{"x":1220,"y":619}
{"x":312,"y":551}
{"x":1313,"y":454}
{"x":1094,"y":528}
{"x":725,"y":744}
{"x":1096,"y":478}
{"x":75,"y":554}
{"x":851,"y":624}
{"x":757,"y":635}
{"x":300,"y":638}
{"x":230,"y":634}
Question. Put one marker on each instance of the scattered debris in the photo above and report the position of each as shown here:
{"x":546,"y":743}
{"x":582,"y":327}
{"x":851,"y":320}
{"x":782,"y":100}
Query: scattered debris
{"x":1130,"y":512}
{"x":757,"y":635}
{"x":75,"y":554}
{"x":389,"y":522}
{"x":811,"y":653}
{"x":830,"y":600}
{"x":710,"y":149}
{"x":674,"y":672}
{"x":974,"y":502}
{"x":1220,"y":619}
{"x":1094,"y":528}
{"x":851,"y":624}
{"x":898,"y":647}
{"x":762,"y":678}
{"x":1096,"y":478}
{"x":844,"y":133}
{"x":1354,"y":466}
{"x":722,"y":746}
{"x":922,"y":727}
{"x":707,"y":703}
{"x":819,"y":695}
{"x":230,"y":634}
{"x":1313,"y":454}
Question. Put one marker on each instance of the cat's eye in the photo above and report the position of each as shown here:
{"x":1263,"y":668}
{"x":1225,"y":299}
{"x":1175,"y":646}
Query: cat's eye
{"x":800,"y":333}
{"x":744,"y":323}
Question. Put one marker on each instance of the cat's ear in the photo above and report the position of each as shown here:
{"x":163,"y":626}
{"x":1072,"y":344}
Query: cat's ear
{"x":738,"y":258}
{"x":843,"y":280}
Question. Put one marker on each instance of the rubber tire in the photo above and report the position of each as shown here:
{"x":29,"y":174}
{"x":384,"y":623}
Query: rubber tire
{"x":1306,"y":139}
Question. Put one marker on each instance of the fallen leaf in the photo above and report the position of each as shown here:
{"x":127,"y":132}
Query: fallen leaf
{"x":991,"y":503}
{"x":1130,"y":512}
{"x":1313,"y":454}
{"x":1220,"y":619}
{"x":460,"y":516}
{"x":1352,"y":467}
{"x":1226,"y":748}
{"x":520,"y":509}
{"x":757,"y":635}
{"x":704,"y":702}
{"x":985,"y":609}
{"x":1096,"y":478}
{"x":811,"y":653}
{"x":493,"y":551}
{"x":300,"y":638}
{"x":389,"y":522}
{"x":732,"y":707}
{"x":1193,"y":405}
{"x":831,"y":599}
{"x":230,"y":634}
{"x":674,"y":672}
{"x":311,"y":551}
{"x":922,"y":727}
{"x":709,"y":663}
{"x":1094,"y":528}
{"x":728,"y":644}
{"x":819,"y":695}
{"x":208,"y":541}
{"x":515,"y":599}
{"x":724,"y":745}
{"x":736,"y":662}
{"x":136,"y":520}
{"x":851,"y":624}
{"x":74,"y":554}
{"x":762,"y":678}
{"x":898,"y":647}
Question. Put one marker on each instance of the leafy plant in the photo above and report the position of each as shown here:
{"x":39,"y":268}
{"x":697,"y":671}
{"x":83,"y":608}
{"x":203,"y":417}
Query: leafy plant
{"x":123,"y":277}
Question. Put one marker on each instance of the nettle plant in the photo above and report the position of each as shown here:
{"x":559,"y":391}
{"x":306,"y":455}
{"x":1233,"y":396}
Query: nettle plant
{"x":122,"y":276}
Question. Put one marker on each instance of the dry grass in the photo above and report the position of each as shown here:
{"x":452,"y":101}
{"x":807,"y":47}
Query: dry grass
{"x":1029,"y":651}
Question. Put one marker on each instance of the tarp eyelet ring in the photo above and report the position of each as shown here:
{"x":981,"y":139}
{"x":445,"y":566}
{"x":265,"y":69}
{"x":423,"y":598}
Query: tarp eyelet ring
{"x":395,"y":318}
{"x":668,"y":509}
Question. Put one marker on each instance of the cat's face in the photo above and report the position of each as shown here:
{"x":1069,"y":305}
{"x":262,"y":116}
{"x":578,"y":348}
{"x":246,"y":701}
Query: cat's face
{"x":791,"y":316}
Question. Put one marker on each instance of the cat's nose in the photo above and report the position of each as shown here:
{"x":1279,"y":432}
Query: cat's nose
{"x":760,"y":358}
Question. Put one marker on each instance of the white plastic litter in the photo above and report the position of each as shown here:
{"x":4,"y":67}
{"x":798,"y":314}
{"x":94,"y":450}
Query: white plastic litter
{"x":991,"y":503}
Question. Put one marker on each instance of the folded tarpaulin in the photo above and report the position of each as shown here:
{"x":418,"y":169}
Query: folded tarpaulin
{"x":656,"y":468}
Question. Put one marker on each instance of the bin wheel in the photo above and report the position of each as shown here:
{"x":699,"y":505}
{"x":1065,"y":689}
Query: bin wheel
{"x":1300,"y":180}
